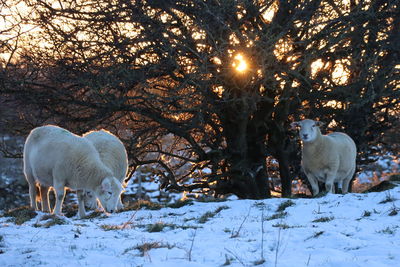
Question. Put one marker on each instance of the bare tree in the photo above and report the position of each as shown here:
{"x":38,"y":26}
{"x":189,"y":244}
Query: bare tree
{"x":213,"y":84}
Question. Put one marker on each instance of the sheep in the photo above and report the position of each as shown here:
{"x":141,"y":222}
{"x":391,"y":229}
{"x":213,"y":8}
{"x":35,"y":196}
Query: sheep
{"x":55,"y":157}
{"x":327,"y":158}
{"x":113,"y":155}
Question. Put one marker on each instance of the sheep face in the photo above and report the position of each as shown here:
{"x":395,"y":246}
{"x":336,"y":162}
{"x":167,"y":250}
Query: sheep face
{"x":108,"y":193}
{"x":309,"y":129}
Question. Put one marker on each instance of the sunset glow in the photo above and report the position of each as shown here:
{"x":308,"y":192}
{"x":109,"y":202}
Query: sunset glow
{"x":240,"y":63}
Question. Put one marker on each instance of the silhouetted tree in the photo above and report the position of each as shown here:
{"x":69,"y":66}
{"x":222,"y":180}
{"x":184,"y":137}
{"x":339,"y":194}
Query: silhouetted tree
{"x":168,"y":76}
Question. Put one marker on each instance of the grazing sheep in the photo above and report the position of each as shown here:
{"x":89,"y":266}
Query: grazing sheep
{"x":113,"y":155}
{"x":54,"y":157}
{"x":327,"y":158}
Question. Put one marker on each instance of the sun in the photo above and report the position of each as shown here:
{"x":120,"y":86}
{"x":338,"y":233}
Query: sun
{"x":240,"y":63}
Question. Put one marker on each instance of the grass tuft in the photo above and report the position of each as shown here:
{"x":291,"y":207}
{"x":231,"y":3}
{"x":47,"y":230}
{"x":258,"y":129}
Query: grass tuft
{"x":95,"y":214}
{"x":284,"y":205}
{"x":180,"y":203}
{"x":278,"y":215}
{"x":315,"y":235}
{"x":210,"y":214}
{"x":156,"y":227}
{"x":110,"y":227}
{"x":393,"y":211}
{"x":143,"y":204}
{"x":366,"y":213}
{"x":383,"y":186}
{"x":388,"y":231}
{"x":20,"y":215}
{"x":145,"y":247}
{"x":388,"y":199}
{"x":281,"y":225}
{"x":324,"y":219}
{"x":51,"y":220}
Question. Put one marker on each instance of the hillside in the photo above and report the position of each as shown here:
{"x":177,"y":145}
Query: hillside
{"x":335,"y":230}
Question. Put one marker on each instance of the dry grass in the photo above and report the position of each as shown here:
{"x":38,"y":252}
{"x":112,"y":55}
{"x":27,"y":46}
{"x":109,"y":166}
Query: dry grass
{"x":21,"y":215}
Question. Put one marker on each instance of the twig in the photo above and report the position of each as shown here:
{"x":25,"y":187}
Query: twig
{"x":277,"y":246}
{"x":236,"y":257}
{"x":130,"y":219}
{"x":308,"y":261}
{"x":191,"y":245}
{"x":241,"y":225}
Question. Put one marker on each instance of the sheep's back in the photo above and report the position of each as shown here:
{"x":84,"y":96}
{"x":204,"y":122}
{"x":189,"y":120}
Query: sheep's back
{"x":51,"y":147}
{"x":111,"y":150}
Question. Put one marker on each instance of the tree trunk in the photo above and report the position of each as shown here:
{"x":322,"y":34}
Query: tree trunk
{"x":286,"y":179}
{"x":245,"y":152}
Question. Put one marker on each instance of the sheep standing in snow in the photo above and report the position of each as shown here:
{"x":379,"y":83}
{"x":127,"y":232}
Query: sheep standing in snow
{"x":54,"y":157}
{"x":113,"y":154}
{"x":327,"y":158}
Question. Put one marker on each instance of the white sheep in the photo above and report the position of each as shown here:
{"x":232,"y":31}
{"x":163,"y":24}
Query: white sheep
{"x":55,"y":157}
{"x":113,"y":155}
{"x":327,"y":158}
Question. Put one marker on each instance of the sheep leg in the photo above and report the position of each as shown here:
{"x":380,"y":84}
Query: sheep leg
{"x":329,"y":183}
{"x":314,"y":183}
{"x":347,"y":180}
{"x":32,"y":189}
{"x":60,"y":194}
{"x":33,"y":196}
{"x":81,"y":204}
{"x":44,"y":193}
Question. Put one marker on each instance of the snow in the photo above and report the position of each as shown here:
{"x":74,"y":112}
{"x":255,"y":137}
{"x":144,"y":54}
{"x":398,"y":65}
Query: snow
{"x":352,"y":230}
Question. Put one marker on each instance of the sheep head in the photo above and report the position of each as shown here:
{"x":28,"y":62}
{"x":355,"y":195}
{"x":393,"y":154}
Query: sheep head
{"x":308,"y":129}
{"x":108,"y":193}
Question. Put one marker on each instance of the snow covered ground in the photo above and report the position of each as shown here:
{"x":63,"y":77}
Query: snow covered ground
{"x":335,"y":230}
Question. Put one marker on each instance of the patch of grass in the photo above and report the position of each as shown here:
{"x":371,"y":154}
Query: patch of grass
{"x":110,"y":227}
{"x":394,"y":178}
{"x":281,"y":225}
{"x":20,"y":215}
{"x":210,"y":214}
{"x":259,"y":262}
{"x":388,"y":231}
{"x":145,"y":247}
{"x":383,"y":186}
{"x":156,"y":227}
{"x":316,"y":234}
{"x":278,"y":215}
{"x":260,"y":205}
{"x":366,"y":213}
{"x":70,"y":210}
{"x":95,"y":214}
{"x":285,"y":226}
{"x":1,"y":244}
{"x":160,"y":226}
{"x":228,"y":260}
{"x":388,"y":199}
{"x":206,"y":216}
{"x":323,"y":219}
{"x":285,"y":205}
{"x":143,"y":204}
{"x":180,"y":203}
{"x":51,"y":220}
{"x":393,"y":211}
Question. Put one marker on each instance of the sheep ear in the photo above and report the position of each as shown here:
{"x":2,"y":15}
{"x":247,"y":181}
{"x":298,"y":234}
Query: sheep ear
{"x":106,"y":185}
{"x":294,"y":125}
{"x":319,"y":123}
